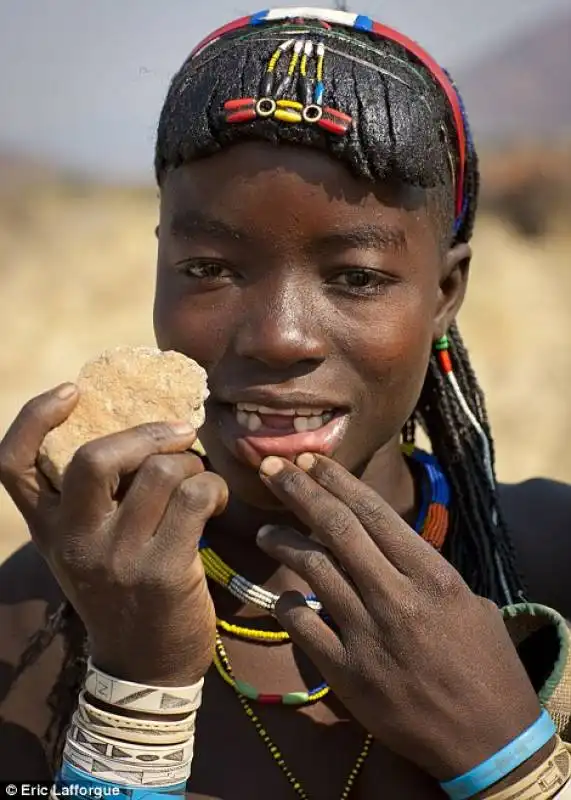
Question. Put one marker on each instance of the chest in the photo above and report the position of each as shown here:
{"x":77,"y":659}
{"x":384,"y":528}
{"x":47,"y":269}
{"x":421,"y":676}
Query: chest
{"x":320,"y":746}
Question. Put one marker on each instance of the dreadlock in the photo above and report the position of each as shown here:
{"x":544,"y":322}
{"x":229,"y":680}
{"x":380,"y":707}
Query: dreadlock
{"x":402,"y":128}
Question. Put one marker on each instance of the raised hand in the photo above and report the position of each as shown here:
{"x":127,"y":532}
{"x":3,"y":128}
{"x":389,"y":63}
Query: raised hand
{"x":122,"y":538}
{"x":425,"y":665}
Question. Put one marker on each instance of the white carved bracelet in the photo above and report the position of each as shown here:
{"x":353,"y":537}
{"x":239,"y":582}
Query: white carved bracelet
{"x":139,"y":697}
{"x":145,"y":737}
{"x":107,"y":769}
{"x":90,"y":713}
{"x":131,"y":754}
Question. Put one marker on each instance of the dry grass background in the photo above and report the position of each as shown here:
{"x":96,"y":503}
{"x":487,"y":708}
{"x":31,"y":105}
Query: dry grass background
{"x":76,"y":270}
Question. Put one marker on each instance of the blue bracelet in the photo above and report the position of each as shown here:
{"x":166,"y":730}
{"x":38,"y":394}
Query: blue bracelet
{"x":71,"y":776}
{"x":503,"y":762}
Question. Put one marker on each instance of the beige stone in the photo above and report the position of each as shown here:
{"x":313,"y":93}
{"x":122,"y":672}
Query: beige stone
{"x":122,"y":388}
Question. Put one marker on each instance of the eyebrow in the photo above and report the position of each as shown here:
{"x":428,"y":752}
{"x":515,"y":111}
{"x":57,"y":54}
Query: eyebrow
{"x":191,"y":222}
{"x":188,"y":223}
{"x":365,"y":237}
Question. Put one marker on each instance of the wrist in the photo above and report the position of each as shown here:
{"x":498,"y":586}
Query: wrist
{"x":165,"y":670}
{"x":520,"y":772}
{"x":479,"y":779}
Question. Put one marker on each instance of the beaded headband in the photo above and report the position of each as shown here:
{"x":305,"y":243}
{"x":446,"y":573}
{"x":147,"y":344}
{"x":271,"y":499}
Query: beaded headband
{"x":312,"y":110}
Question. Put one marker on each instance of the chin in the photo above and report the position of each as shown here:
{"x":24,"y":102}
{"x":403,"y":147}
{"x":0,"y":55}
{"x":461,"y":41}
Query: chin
{"x":243,"y":481}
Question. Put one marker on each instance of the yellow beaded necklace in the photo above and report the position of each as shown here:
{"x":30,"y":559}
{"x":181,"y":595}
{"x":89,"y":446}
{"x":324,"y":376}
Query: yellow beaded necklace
{"x":275,"y":752}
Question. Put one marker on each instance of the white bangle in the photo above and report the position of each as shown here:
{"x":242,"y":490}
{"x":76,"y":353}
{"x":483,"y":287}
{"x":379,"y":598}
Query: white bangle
{"x":107,"y":769}
{"x":118,"y":726}
{"x":139,"y":697}
{"x":141,"y":755}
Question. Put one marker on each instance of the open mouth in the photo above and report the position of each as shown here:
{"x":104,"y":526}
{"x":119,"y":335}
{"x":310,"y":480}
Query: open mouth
{"x":253,"y":432}
{"x":263,"y":420}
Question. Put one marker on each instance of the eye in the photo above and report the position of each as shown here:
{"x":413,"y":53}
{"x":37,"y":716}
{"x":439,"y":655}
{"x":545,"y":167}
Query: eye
{"x":203,"y":270}
{"x":362,"y":281}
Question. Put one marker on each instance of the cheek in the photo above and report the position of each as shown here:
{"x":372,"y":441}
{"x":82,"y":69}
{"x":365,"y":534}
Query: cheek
{"x":394,"y":352}
{"x":185,"y":325}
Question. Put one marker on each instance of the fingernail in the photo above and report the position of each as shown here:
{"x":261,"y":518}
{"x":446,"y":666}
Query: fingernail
{"x":264,"y":532}
{"x":271,"y":466}
{"x":66,"y":390}
{"x":181,"y":428}
{"x":305,"y":461}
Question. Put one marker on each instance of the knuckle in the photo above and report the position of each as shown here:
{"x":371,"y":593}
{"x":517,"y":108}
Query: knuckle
{"x":92,"y":459}
{"x":162,"y":470}
{"x":195,"y":494}
{"x":340,"y":526}
{"x":315,"y":562}
{"x":449,"y":583}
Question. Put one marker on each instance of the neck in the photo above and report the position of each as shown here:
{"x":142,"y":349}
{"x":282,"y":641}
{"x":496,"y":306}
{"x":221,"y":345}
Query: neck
{"x":232,"y":535}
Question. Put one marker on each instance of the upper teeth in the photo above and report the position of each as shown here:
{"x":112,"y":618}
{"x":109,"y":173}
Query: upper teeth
{"x":286,"y":412}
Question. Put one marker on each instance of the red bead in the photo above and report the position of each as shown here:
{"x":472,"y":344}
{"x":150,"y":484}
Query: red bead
{"x":273,"y":699}
{"x":338,"y":115}
{"x":241,"y":102}
{"x":445,"y":361}
{"x":332,"y":127}
{"x":241,"y":116}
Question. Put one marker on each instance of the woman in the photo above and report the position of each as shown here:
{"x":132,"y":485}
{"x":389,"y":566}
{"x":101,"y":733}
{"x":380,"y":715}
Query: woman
{"x":318,"y":191}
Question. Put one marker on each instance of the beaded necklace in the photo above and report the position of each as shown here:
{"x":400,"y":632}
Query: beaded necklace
{"x":275,"y":752}
{"x":246,"y":690}
{"x":431,"y":524}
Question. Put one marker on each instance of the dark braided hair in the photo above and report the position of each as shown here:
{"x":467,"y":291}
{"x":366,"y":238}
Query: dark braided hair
{"x":402,"y":128}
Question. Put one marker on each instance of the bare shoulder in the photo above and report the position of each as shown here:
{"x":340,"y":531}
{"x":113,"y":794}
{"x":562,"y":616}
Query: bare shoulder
{"x":538,"y":513}
{"x":31,"y":656}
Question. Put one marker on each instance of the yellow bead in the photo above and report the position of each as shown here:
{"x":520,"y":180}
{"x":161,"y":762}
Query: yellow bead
{"x":290,"y":104}
{"x":287,"y":116}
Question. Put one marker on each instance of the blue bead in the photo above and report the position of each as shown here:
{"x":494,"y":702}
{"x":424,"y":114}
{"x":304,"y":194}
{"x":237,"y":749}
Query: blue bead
{"x":363,"y":23}
{"x":259,"y":17}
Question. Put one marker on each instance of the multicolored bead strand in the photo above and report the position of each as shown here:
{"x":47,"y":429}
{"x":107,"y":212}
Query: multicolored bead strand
{"x":240,"y":587}
{"x":303,"y":698}
{"x":445,"y":361}
{"x":432,"y":525}
{"x":277,"y":755}
{"x":433,"y":521}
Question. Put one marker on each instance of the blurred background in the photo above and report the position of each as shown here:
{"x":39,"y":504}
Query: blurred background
{"x":81,"y":86}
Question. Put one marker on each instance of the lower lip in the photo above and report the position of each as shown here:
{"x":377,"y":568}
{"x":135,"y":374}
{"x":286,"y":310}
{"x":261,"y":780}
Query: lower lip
{"x":252,"y":448}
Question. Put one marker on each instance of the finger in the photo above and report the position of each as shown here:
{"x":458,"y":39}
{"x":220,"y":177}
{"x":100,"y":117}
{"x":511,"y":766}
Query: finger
{"x":20,"y":446}
{"x":192,"y":504}
{"x":334,"y":524}
{"x":311,"y":634}
{"x":144,"y":505}
{"x":398,"y":541}
{"x":314,"y":564}
{"x":92,"y":479}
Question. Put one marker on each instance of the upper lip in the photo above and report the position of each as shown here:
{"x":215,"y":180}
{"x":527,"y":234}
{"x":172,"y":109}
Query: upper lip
{"x":282,"y":400}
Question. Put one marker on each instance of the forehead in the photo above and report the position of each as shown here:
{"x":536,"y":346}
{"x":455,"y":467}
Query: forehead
{"x":262,"y":189}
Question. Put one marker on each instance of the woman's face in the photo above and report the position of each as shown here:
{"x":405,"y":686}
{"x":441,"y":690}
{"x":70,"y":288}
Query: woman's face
{"x":311,"y":298}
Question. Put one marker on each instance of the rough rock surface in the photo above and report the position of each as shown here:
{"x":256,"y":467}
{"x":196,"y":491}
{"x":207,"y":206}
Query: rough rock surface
{"x":122,"y":388}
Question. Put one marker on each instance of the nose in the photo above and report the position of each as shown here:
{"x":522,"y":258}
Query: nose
{"x":282,"y":332}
